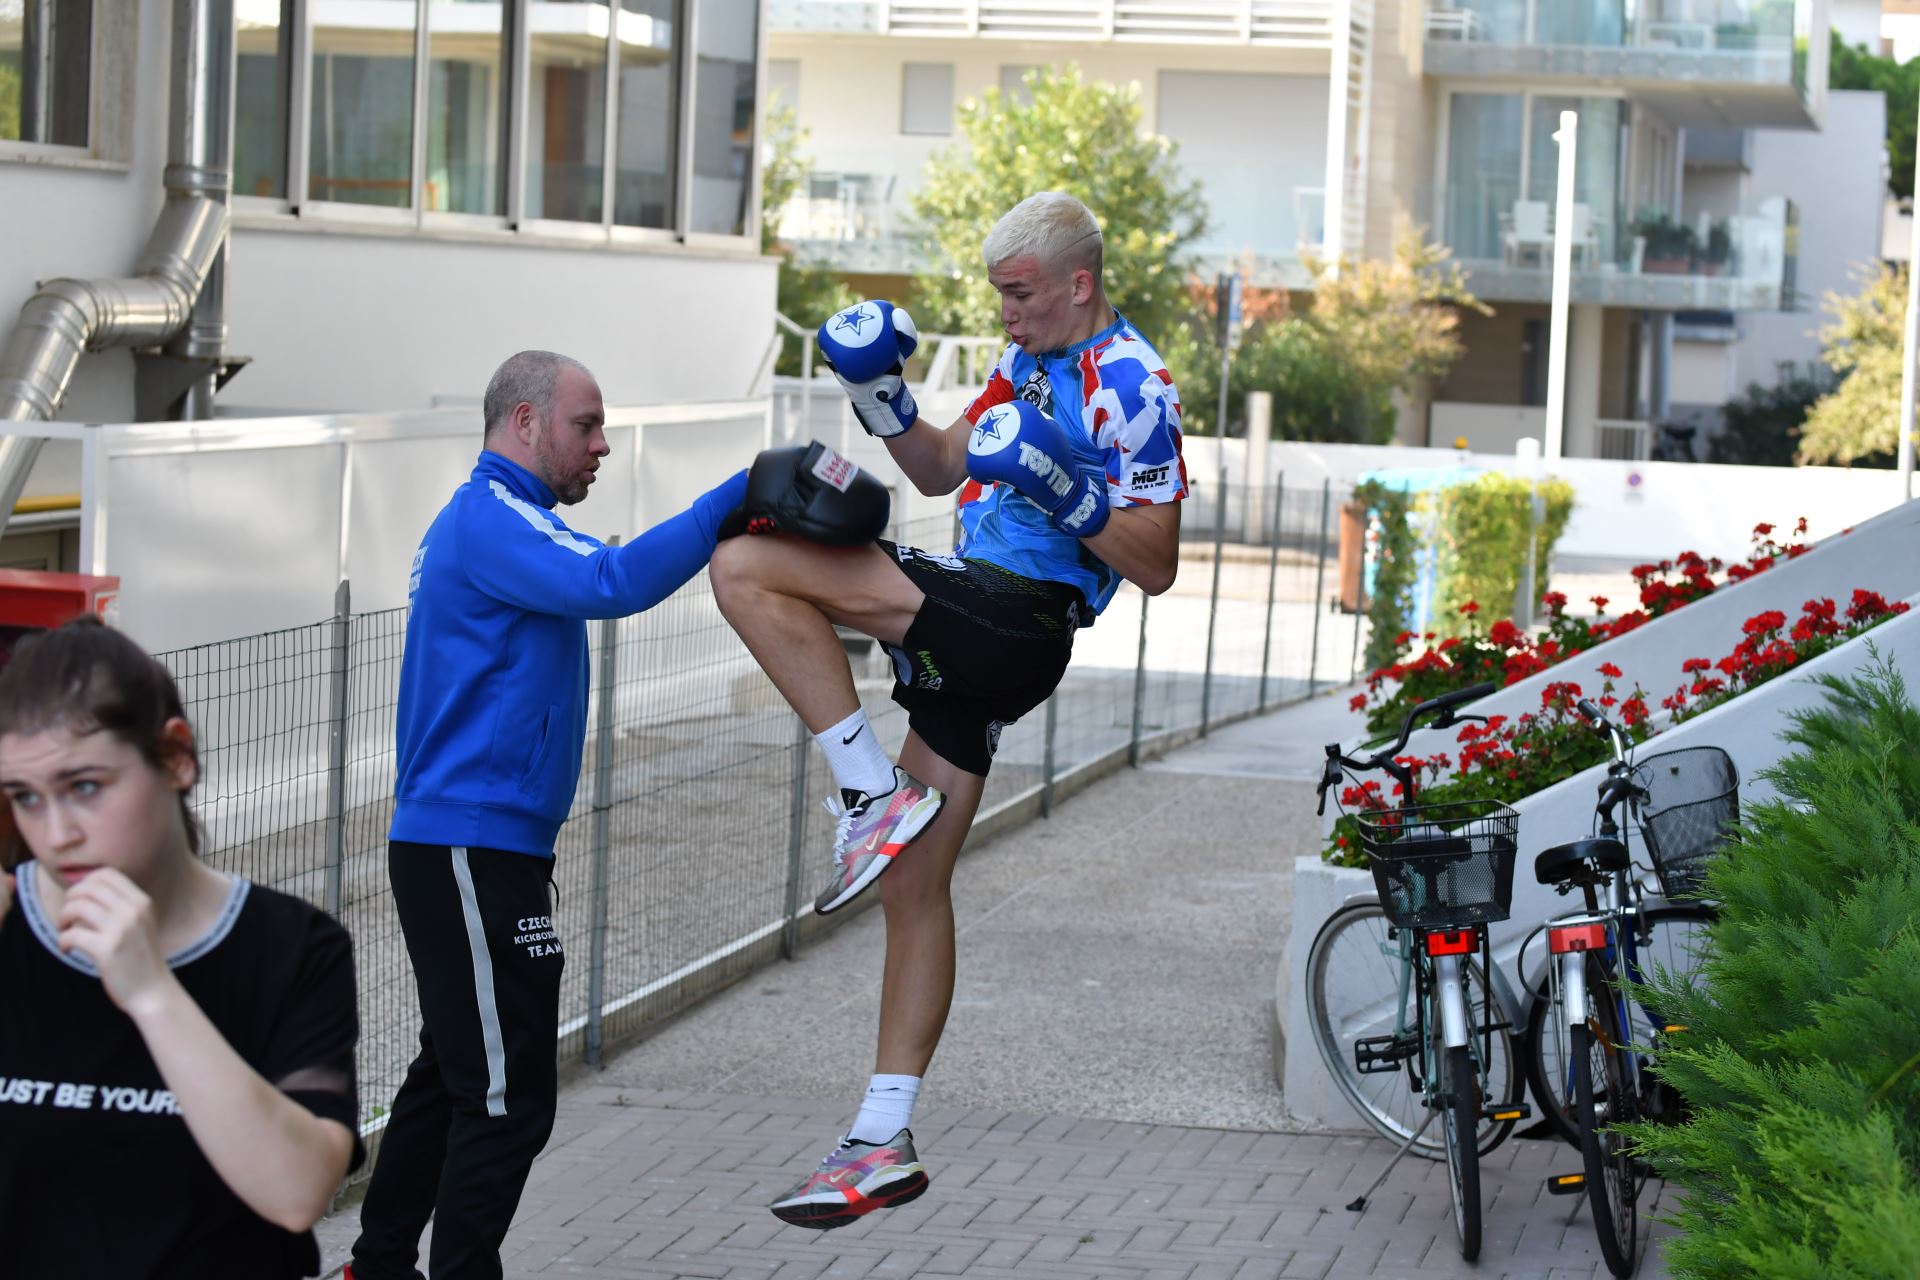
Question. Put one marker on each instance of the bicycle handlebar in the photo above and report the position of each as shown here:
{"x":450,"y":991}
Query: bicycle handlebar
{"x":1441,"y":708}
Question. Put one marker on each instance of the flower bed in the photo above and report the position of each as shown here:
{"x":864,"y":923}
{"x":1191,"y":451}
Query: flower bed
{"x":1507,"y":760}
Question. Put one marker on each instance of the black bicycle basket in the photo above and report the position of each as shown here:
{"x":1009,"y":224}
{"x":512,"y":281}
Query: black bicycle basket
{"x":1693,"y":803}
{"x":1442,"y":866}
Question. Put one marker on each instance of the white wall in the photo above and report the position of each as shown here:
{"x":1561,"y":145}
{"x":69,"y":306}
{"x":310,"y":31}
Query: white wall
{"x":339,"y":322}
{"x":1487,"y":428}
{"x":1835,"y":178}
{"x":1250,"y":175}
{"x":1856,"y":21}
{"x":859,"y":132}
{"x":1623,"y":511}
{"x":1700,"y":373}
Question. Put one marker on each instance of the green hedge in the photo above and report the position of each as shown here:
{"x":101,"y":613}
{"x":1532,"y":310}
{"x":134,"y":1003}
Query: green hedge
{"x":1801,"y":1058}
{"x":1481,"y":533}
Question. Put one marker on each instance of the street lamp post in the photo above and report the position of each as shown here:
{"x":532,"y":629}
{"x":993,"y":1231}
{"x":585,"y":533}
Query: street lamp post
{"x":1562,"y":288}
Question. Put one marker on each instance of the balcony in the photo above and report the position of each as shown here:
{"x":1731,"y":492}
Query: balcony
{"x":1284,"y":24}
{"x":1700,"y":63}
{"x":1651,"y":259}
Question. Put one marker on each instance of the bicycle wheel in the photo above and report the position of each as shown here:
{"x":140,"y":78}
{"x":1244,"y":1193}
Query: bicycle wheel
{"x":1460,"y":1105}
{"x":1603,"y":1100}
{"x":1354,"y":977}
{"x":1674,"y":935}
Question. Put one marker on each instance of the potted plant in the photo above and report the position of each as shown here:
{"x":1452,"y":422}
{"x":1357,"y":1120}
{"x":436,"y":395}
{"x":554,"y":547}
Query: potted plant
{"x":1714,"y":255}
{"x":1669,"y":244}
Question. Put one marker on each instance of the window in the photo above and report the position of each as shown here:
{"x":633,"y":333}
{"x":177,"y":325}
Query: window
{"x":360,"y":147}
{"x":46,"y":71}
{"x":1013,"y":84}
{"x":567,"y":111}
{"x":644,"y":186}
{"x":926,"y":98}
{"x":263,"y":70}
{"x":602,"y":113}
{"x":723,"y":116}
{"x":466,"y":109}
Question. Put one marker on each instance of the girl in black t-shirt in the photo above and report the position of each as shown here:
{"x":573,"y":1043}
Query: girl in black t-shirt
{"x":176,"y":1044}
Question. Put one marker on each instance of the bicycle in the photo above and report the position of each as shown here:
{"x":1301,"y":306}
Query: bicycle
{"x":1590,"y":1038}
{"x":1412,"y":994}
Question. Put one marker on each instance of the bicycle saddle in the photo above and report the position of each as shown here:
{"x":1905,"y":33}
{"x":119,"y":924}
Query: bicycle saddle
{"x":1563,"y":861}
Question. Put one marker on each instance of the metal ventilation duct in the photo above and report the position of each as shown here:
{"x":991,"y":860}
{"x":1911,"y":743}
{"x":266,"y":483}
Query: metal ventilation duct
{"x":168,"y":301}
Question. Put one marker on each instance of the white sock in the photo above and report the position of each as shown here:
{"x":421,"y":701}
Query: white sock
{"x":854,"y":755}
{"x":887,"y":1110}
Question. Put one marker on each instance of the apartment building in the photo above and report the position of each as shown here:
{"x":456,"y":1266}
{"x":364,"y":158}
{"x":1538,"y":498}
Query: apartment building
{"x":1720,"y":190}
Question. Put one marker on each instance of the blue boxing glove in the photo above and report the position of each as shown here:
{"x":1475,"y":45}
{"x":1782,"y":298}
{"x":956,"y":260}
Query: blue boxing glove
{"x":865,"y":346}
{"x":1019,"y":445}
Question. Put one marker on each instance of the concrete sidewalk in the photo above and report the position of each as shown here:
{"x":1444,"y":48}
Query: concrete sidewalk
{"x":1104,"y":1100}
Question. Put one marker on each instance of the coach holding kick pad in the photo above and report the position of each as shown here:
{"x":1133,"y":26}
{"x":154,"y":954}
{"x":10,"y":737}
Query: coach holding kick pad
{"x":492,"y":723}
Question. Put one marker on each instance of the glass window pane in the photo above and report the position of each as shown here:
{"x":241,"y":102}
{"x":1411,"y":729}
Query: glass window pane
{"x":46,"y":53}
{"x":1483,"y":180}
{"x":1596,"y":176}
{"x":724,"y":115}
{"x":361,"y":143}
{"x":567,"y":111}
{"x":926,"y":98}
{"x":466,"y":107}
{"x":264,"y":48}
{"x":649,"y":113}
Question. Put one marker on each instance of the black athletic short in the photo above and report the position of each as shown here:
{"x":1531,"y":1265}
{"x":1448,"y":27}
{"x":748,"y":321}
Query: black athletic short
{"x":987,"y":647}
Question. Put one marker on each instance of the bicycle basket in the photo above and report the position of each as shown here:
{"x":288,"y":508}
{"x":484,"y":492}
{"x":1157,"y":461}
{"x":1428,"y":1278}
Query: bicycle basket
{"x":1693,"y":803}
{"x":1442,"y":866}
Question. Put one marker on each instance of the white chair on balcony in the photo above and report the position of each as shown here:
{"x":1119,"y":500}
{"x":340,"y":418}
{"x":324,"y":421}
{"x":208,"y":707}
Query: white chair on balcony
{"x":1527,"y":232}
{"x":1448,"y":21}
{"x":1586,"y":239}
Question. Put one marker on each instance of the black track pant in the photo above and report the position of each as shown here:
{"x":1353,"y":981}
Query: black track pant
{"x":477,"y":1104}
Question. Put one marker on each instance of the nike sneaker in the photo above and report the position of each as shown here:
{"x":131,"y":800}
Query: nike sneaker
{"x":855,"y":1179}
{"x":870,"y":833}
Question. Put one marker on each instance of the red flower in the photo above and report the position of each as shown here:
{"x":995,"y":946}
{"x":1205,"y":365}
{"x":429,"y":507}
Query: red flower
{"x":1599,"y":603}
{"x":1634,"y":710}
{"x":1506,"y":635}
{"x":1772,"y":620}
{"x":1762,"y":530}
{"x":1449,"y":643}
{"x":1554,"y":600}
{"x":1402,"y":638}
{"x":1470,"y":608}
{"x":1610,"y":671}
{"x":1800,"y":525}
{"x":1696,"y":664}
{"x":1358,"y":702}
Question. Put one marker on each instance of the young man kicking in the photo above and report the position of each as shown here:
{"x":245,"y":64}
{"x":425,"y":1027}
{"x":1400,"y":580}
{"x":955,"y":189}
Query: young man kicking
{"x":1071,"y":464}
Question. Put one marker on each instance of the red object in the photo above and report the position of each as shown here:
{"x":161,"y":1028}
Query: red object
{"x":30,"y":599}
{"x":1461,"y":942}
{"x":1576,"y":937}
{"x":33,"y":601}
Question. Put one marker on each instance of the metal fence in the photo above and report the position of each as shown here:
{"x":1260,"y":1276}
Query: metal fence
{"x":697,"y":839}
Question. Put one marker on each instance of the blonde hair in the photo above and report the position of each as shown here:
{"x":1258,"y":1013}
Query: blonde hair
{"x":1052,"y":226}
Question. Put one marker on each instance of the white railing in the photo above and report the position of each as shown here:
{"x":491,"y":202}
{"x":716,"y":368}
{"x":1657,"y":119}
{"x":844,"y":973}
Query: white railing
{"x":1300,"y":24}
{"x":1621,"y":440}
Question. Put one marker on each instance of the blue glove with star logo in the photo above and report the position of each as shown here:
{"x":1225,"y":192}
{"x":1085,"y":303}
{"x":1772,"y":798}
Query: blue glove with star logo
{"x":1018,"y":444}
{"x":866,"y":346}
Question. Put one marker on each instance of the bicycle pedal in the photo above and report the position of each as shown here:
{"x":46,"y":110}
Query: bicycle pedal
{"x":1567,"y":1184}
{"x":1375,"y":1055}
{"x":1512,"y":1111}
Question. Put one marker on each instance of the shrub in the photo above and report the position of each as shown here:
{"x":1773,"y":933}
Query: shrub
{"x":1801,"y":1058}
{"x":1483,"y":529}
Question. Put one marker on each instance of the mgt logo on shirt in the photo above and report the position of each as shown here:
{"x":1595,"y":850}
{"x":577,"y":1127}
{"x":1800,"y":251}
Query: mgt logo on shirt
{"x":537,"y":935}
{"x":1149,"y":478}
{"x":413,"y":579}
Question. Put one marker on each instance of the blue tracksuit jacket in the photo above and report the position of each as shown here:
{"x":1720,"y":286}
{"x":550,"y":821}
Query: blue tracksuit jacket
{"x":493,"y":683}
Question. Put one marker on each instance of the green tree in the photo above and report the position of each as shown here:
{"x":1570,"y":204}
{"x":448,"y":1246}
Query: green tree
{"x":1763,"y":425}
{"x":10,"y":98}
{"x":1077,"y":136}
{"x":1372,"y":328}
{"x":1859,"y":421}
{"x":1852,"y":67}
{"x":807,"y":295}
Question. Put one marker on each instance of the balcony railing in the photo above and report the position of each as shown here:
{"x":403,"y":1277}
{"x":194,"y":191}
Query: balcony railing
{"x":1652,"y":258}
{"x":1658,"y":42}
{"x":1296,"y":24}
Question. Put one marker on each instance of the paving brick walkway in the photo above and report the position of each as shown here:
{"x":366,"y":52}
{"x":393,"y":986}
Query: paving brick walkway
{"x":655,"y":1184}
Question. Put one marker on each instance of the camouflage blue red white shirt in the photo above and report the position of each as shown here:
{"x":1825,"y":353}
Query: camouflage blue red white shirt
{"x":1121,"y":412}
